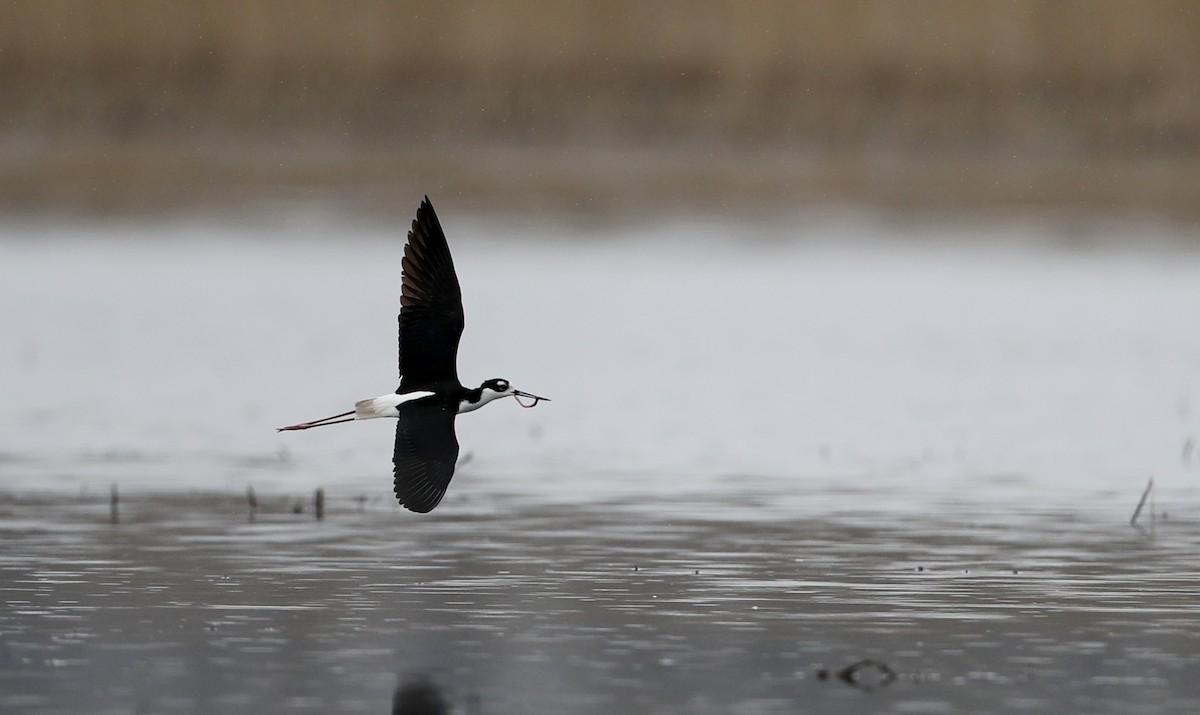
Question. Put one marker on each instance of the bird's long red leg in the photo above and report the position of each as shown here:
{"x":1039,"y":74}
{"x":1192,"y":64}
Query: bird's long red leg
{"x":335,"y":419}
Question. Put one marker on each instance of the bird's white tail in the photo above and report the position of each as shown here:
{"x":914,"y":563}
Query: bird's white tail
{"x":375,"y":407}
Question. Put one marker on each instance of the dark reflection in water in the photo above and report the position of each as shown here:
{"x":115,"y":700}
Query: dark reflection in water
{"x":866,"y":674}
{"x":593,"y":608}
{"x":419,"y":697}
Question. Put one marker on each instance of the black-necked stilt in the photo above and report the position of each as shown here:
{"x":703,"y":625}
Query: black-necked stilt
{"x":430,"y":395}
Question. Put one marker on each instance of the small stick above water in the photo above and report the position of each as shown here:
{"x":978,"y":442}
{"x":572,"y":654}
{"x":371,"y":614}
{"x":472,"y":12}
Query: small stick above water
{"x":1142,"y":502}
{"x":113,"y":502}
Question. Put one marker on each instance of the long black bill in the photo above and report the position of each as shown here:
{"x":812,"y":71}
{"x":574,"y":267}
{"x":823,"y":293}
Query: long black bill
{"x":335,"y":419}
{"x":517,"y":395}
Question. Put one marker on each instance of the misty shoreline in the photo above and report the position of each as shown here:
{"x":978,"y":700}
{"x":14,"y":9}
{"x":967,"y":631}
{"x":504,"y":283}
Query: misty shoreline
{"x":590,"y":181}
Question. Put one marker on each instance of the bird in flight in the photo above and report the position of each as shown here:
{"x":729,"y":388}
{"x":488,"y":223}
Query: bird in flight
{"x":430,"y":395}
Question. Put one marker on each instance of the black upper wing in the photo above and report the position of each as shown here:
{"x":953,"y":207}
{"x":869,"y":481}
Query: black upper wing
{"x":431,"y":312}
{"x":426,"y":450}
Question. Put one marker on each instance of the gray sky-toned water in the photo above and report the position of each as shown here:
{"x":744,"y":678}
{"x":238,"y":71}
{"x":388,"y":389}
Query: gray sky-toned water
{"x":818,"y":350}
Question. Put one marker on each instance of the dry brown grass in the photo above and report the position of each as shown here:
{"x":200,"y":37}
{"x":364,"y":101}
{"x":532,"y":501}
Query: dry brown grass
{"x":127,"y":101}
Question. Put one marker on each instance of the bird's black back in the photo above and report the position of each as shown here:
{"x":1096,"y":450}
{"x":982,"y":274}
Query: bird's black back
{"x":431,"y":311}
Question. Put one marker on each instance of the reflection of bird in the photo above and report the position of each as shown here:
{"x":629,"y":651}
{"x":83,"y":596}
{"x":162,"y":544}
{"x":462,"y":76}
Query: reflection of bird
{"x":430,"y":395}
{"x":419,"y":697}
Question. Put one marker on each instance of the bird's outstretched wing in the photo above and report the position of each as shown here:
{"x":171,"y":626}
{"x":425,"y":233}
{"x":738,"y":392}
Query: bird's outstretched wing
{"x":431,"y":312}
{"x":426,"y":450}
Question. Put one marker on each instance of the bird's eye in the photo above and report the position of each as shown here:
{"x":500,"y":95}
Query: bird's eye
{"x":502,"y":385}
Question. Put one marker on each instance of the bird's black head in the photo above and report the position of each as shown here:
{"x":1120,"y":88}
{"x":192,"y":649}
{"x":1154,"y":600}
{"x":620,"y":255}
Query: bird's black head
{"x":499,"y":387}
{"x":496,"y":384}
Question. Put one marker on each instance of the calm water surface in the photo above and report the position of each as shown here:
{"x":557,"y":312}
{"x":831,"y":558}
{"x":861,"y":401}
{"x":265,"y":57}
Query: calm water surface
{"x":608,"y":608}
{"x":765,"y":460}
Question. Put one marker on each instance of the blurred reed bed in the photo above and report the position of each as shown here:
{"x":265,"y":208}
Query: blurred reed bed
{"x":926,"y":102}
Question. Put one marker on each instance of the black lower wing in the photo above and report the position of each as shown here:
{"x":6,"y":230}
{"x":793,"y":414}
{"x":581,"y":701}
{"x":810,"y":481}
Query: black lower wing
{"x":426,"y":450}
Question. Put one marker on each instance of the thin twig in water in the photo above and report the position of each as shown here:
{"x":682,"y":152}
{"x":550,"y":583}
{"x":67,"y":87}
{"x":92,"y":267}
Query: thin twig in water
{"x":1142,"y":502}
